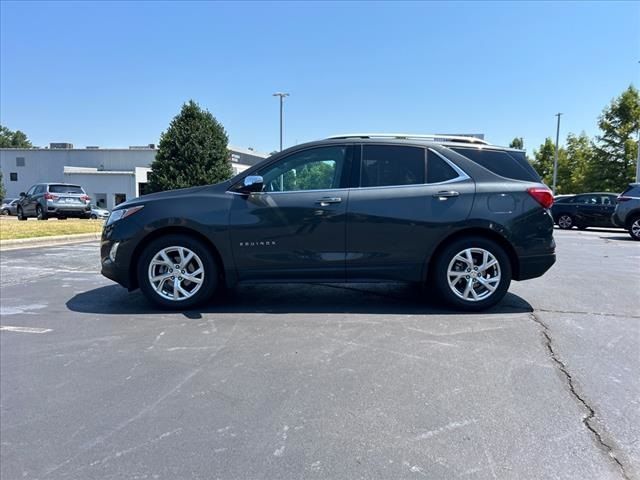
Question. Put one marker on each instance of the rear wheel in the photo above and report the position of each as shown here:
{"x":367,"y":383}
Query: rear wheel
{"x":177,"y":272}
{"x":5,"y":212}
{"x":20,"y":214}
{"x":40,"y":215}
{"x":93,"y":216}
{"x":634,"y":229}
{"x":565,"y":222}
{"x":472,"y":273}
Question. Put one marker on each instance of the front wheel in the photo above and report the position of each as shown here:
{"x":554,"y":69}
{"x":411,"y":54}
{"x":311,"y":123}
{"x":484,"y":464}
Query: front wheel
{"x":177,"y":272}
{"x":565,"y":222}
{"x":5,"y":212}
{"x":472,"y":273}
{"x":20,"y":213}
{"x":634,"y":229}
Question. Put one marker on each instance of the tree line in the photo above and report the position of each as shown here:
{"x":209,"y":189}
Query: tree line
{"x":604,"y":163}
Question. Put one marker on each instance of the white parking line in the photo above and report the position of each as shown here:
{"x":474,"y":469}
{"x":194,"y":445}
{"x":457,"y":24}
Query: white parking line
{"x":25,"y":329}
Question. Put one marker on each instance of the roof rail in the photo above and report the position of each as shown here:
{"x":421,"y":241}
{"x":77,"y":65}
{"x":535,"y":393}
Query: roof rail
{"x":432,"y":137}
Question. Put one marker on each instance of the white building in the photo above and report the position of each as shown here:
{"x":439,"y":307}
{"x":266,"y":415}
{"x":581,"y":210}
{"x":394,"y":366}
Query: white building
{"x":109,"y":175}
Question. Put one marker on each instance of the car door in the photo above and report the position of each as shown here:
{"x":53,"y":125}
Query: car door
{"x":295,"y":227}
{"x":608,"y":207}
{"x":588,"y":210}
{"x":28,"y":203}
{"x":407,"y":198}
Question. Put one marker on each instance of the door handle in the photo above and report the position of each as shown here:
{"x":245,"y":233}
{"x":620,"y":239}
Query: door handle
{"x":444,"y":194}
{"x":326,"y":201}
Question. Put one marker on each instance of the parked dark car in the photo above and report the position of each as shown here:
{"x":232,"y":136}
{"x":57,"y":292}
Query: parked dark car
{"x":462,"y":215}
{"x":627,"y":212}
{"x":61,"y":200}
{"x":584,"y":210}
{"x":9,"y":206}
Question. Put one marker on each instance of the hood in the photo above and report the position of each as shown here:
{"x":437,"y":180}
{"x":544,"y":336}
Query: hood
{"x":167,"y":195}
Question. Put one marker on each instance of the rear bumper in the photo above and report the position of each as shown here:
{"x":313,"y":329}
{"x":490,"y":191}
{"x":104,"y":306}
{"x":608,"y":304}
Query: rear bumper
{"x":617,"y":221}
{"x":535,"y":266}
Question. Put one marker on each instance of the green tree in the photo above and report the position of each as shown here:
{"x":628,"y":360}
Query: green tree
{"x":3,"y":192}
{"x":193,"y":151}
{"x":574,"y":170}
{"x":11,"y":139}
{"x":543,"y":160}
{"x":613,"y":165}
{"x":518,"y":143}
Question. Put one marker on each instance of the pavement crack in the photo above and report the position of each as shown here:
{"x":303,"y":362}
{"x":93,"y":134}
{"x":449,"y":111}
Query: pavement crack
{"x":587,"y":420}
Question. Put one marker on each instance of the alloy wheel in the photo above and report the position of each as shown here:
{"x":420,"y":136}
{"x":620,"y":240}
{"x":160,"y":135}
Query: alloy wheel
{"x":176,"y":273}
{"x":635,"y":228}
{"x":565,"y":222}
{"x":474,"y":274}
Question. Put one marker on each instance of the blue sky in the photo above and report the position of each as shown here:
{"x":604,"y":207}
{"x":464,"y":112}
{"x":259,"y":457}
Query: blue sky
{"x":114,"y":73}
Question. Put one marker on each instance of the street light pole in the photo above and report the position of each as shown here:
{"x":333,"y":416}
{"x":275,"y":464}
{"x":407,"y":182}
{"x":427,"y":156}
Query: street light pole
{"x":281,"y":95}
{"x":555,"y":158}
{"x":638,"y":160}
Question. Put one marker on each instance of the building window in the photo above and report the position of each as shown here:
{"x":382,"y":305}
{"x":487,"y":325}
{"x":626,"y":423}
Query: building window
{"x":120,"y":198}
{"x":19,"y":161}
{"x":13,"y":176}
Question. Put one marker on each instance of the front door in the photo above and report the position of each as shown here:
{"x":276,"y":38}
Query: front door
{"x":295,"y":228}
{"x":408,"y":197}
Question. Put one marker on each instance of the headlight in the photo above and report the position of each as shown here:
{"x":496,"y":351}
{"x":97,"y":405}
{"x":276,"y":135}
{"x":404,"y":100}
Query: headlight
{"x":122,"y":213}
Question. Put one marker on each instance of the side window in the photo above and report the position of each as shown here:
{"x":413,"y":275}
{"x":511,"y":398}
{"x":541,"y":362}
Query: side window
{"x":314,"y":169}
{"x":588,"y":200}
{"x":39,"y":189}
{"x":385,"y":165}
{"x":31,"y":190}
{"x":506,"y":164}
{"x":438,"y":170}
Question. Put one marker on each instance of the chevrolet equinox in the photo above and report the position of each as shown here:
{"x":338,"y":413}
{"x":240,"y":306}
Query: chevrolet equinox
{"x":455,"y":213}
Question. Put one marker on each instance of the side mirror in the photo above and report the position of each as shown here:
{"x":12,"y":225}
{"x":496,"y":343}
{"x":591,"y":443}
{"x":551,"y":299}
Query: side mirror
{"x":252,"y":184}
{"x":22,"y":194}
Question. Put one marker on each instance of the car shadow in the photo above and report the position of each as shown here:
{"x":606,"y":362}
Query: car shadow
{"x":291,"y":298}
{"x":624,"y":238}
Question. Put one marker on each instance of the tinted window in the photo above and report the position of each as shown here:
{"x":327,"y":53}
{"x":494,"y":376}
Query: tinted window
{"x":39,"y":189}
{"x":632,"y":191}
{"x":315,"y":169}
{"x":438,"y":170}
{"x":506,"y":164}
{"x":65,"y":189}
{"x":588,"y":199}
{"x":384,"y":165}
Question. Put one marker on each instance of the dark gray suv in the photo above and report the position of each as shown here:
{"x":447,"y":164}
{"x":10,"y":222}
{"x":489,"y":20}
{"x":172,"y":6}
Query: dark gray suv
{"x":456,"y":213}
{"x":61,"y":200}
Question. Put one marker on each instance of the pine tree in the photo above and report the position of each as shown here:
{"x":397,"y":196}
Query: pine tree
{"x":193,"y":151}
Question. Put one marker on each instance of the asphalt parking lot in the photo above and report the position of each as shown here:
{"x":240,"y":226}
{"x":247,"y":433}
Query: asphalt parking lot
{"x":326,"y":381}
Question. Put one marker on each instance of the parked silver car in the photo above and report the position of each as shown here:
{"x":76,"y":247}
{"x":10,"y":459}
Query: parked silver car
{"x":627,"y":212}
{"x":9,"y":206}
{"x":99,"y":213}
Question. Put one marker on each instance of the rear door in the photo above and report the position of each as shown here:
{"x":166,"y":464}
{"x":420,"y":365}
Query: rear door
{"x":406,"y":198}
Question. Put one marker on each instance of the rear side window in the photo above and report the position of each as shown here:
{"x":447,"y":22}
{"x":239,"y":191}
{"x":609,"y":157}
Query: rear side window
{"x":632,"y":191}
{"x":438,"y":170}
{"x":512,"y":165}
{"x":386,"y":165}
{"x":65,"y":189}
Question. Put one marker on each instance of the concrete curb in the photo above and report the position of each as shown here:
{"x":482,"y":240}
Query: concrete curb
{"x":47,"y":241}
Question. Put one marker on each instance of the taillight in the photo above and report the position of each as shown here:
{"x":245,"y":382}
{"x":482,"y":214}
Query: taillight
{"x":624,"y":199}
{"x":49,"y":196}
{"x":86,"y":198}
{"x":542,"y":195}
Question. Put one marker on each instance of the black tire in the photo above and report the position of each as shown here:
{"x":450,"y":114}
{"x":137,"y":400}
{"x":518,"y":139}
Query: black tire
{"x":20,"y":214}
{"x":440,"y":278}
{"x":93,"y":216}
{"x":211,"y":279}
{"x":5,"y":212}
{"x":40,"y":214}
{"x":635,"y":224}
{"x":566,"y":221}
